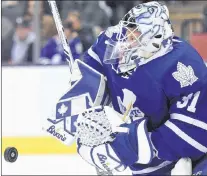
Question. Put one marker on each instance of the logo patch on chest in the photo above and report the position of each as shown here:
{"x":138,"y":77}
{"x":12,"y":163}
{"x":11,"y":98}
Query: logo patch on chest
{"x":184,"y":75}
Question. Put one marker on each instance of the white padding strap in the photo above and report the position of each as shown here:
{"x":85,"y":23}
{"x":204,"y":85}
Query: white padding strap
{"x":144,"y":144}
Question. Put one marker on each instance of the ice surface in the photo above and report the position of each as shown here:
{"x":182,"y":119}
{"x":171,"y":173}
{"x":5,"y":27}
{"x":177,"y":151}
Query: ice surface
{"x":50,"y":165}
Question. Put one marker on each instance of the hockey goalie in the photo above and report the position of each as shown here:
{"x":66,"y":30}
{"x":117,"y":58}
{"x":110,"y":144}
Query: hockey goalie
{"x":138,"y":100}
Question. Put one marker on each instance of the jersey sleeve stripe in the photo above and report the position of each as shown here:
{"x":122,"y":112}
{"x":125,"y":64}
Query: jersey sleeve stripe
{"x":94,"y":55}
{"x":185,"y":137}
{"x":189,"y":120}
{"x":175,"y":40}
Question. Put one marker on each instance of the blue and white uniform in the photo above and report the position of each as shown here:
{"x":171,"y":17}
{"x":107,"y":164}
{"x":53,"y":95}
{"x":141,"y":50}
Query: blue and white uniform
{"x":171,"y":91}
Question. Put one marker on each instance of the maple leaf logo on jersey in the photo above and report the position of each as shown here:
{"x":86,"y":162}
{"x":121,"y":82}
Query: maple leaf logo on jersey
{"x":185,"y":75}
{"x":62,"y":110}
{"x":126,"y":105}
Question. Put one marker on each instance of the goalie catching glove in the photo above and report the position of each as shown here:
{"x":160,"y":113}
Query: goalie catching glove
{"x":108,"y":143}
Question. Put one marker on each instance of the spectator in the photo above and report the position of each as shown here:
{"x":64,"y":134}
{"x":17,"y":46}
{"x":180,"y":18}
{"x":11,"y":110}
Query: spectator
{"x":10,"y":10}
{"x":48,"y":29}
{"x":23,"y":41}
{"x":85,"y":32}
{"x":74,"y":41}
{"x":53,"y":53}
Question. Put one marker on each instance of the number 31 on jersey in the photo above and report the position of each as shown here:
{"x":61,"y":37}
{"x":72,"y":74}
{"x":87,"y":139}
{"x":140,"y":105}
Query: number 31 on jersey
{"x":190,"y":100}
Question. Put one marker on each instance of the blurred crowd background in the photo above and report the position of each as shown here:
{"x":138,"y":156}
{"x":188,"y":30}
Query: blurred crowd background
{"x":29,"y":35}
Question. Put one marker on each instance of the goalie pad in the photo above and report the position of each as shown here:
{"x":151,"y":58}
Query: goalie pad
{"x":88,"y":89}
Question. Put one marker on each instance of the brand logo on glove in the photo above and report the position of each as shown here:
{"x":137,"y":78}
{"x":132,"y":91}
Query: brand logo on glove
{"x":102,"y":158}
{"x":52,"y":131}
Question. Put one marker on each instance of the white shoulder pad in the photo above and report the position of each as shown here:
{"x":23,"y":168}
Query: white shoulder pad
{"x":111,"y":30}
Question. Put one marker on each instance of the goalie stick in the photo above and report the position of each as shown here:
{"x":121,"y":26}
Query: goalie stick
{"x":67,"y":50}
{"x":61,"y":33}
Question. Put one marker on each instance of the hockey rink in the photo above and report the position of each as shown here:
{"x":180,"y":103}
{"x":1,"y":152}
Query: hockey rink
{"x":50,"y":165}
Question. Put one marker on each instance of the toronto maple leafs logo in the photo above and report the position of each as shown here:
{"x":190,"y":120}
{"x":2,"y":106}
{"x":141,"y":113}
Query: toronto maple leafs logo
{"x":185,"y":75}
{"x":63,"y":109}
{"x":126,"y":105}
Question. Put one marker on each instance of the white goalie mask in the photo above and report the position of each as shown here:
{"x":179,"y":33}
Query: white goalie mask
{"x":144,"y":30}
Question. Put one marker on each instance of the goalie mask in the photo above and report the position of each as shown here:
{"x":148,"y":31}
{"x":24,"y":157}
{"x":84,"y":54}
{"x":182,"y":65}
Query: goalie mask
{"x":143,"y":32}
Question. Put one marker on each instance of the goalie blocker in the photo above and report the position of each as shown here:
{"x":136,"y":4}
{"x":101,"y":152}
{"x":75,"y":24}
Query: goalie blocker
{"x":81,"y":95}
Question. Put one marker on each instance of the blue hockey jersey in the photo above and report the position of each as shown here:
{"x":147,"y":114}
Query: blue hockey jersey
{"x":171,"y":91}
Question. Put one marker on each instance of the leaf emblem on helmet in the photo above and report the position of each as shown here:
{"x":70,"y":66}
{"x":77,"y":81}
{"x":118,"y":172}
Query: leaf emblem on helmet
{"x":185,"y":75}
